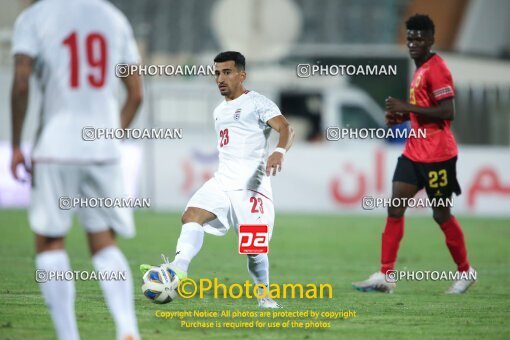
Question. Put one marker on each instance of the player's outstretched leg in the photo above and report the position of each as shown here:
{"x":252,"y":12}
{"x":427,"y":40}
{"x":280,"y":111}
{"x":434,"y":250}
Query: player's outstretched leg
{"x":119,"y":296}
{"x":457,"y":247}
{"x":188,"y":245}
{"x":391,"y":237}
{"x":59,"y":295}
{"x":190,"y":241}
{"x":258,"y":267}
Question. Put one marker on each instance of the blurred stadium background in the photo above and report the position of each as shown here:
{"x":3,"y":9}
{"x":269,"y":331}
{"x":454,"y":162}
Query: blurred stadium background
{"x":322,"y":179}
{"x":275,"y":36}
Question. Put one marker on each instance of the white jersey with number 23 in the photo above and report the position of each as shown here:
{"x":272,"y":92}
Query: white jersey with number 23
{"x":243,"y":132}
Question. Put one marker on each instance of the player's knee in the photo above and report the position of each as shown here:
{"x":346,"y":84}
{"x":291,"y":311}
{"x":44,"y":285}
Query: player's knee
{"x":396,"y":212}
{"x":189,"y":216}
{"x":101,"y":240}
{"x":185,"y":218}
{"x":43,"y":243}
{"x":441,"y":215}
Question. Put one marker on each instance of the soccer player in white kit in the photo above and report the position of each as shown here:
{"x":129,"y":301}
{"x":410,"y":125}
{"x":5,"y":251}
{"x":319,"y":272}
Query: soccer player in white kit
{"x":74,"y":46}
{"x":240,"y":191}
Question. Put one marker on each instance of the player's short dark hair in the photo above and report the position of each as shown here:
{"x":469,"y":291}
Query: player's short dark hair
{"x":420,"y":22}
{"x":236,"y":57}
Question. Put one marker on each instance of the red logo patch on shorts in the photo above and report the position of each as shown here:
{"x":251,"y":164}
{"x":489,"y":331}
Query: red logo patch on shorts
{"x":253,"y":239}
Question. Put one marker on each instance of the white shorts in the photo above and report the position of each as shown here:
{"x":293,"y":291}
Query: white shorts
{"x":232,"y":208}
{"x":50,"y":181}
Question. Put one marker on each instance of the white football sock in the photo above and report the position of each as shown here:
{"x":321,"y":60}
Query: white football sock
{"x":118,"y":293}
{"x":188,"y":245}
{"x":258,"y":266}
{"x":59,"y":295}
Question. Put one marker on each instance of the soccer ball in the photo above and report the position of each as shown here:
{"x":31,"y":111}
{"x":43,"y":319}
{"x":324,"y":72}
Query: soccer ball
{"x":160,"y":285}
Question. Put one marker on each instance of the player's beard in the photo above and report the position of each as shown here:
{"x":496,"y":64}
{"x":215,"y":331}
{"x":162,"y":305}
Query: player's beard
{"x":224,"y":90}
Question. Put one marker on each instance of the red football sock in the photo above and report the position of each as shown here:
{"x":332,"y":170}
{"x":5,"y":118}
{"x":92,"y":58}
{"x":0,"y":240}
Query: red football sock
{"x":391,"y":237}
{"x":455,"y":242}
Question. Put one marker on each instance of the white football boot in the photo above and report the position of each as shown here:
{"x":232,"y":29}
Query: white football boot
{"x":266,"y":301}
{"x":377,"y":282}
{"x":460,"y":286}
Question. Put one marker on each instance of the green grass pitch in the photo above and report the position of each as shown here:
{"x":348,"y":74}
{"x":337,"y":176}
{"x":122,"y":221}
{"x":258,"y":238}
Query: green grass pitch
{"x":305,"y":248}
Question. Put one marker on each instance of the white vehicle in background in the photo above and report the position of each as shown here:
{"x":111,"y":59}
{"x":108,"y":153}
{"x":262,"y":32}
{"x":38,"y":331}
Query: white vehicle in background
{"x":353,"y":108}
{"x":333,"y":99}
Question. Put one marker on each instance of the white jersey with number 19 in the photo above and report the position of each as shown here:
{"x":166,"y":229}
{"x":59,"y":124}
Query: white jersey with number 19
{"x":77,"y":45}
{"x":243,"y":132}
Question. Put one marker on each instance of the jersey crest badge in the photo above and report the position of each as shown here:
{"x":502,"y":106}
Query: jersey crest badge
{"x":237,"y":114}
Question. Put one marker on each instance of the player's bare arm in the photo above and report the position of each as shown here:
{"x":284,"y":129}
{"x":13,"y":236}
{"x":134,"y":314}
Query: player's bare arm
{"x":275,"y":160}
{"x":133,"y":85}
{"x":445,"y":110}
{"x":19,"y":104}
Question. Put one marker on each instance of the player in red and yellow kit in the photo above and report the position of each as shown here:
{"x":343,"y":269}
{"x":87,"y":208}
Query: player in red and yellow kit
{"x":428,"y":162}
